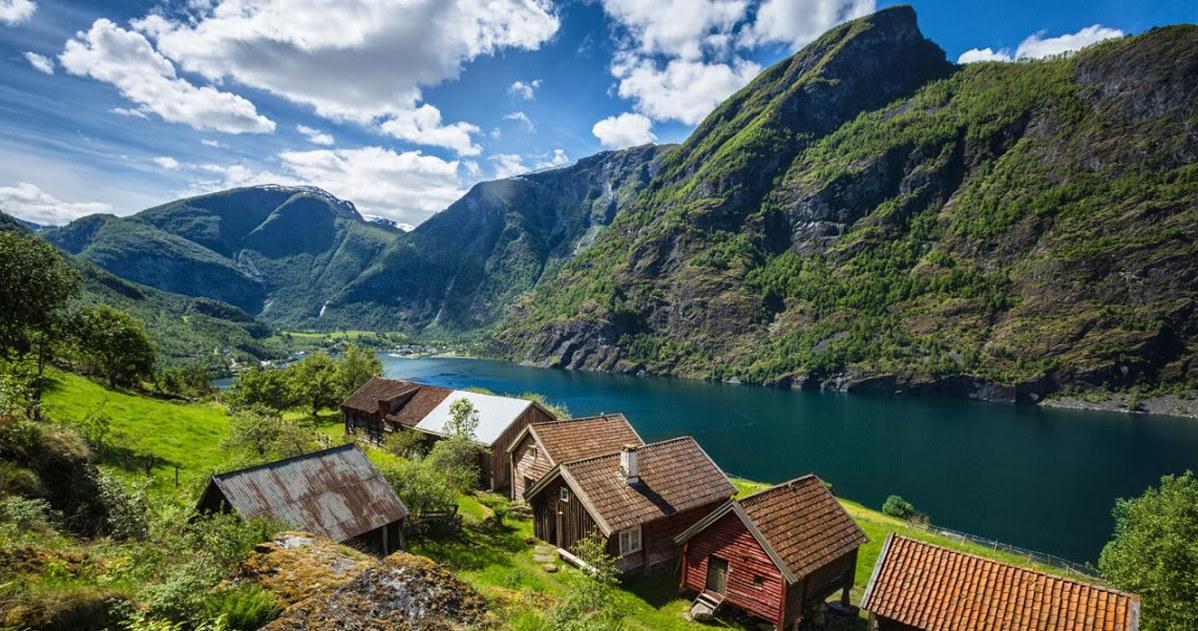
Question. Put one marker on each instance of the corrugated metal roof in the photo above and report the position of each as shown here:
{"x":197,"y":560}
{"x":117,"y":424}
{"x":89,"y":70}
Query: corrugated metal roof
{"x":336,"y":493}
{"x":495,"y":415}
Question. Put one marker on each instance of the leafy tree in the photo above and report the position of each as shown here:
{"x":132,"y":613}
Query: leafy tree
{"x":257,"y":435}
{"x":114,"y":343}
{"x":316,"y":381}
{"x":419,"y":484}
{"x":1155,"y":553}
{"x":590,"y":605}
{"x":463,"y":420}
{"x":18,"y":386}
{"x":457,"y":456}
{"x":265,"y":387}
{"x":356,"y":366}
{"x":896,"y":506}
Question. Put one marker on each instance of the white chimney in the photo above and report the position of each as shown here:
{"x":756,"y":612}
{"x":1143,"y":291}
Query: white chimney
{"x":628,"y":464}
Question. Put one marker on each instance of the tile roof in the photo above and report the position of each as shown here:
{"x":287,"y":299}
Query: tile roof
{"x":495,"y":414}
{"x":423,"y":401}
{"x":336,"y":493}
{"x":803,"y":523}
{"x":366,"y":399}
{"x":675,"y":475}
{"x":579,"y":438}
{"x":937,"y":589}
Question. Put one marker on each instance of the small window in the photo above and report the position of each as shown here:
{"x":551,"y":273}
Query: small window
{"x":563,"y":494}
{"x":758,"y":580}
{"x":630,"y":541}
{"x":532,"y":451}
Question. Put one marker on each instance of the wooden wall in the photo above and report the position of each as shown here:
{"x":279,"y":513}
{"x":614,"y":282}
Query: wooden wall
{"x":370,"y":423}
{"x":817,"y":586}
{"x":728,"y":539}
{"x":560,"y":523}
{"x":526,"y":465}
{"x":499,"y":455}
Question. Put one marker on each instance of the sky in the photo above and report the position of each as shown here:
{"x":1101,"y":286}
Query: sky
{"x":401,"y":105}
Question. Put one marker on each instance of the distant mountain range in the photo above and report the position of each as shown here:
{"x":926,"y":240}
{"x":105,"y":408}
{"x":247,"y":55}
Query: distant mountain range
{"x":864,"y":215}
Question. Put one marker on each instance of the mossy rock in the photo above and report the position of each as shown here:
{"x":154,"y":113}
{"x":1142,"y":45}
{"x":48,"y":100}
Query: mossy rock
{"x":299,"y":565}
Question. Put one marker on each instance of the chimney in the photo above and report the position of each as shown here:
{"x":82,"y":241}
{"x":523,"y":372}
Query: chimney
{"x":628,"y":465}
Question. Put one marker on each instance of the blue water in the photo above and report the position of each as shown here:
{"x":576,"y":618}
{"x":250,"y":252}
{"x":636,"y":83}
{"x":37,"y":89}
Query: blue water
{"x":1039,"y":478}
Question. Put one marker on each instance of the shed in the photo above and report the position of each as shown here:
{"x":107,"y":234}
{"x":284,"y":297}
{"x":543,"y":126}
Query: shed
{"x":385,"y":405}
{"x":923,"y":587}
{"x":335,"y":493}
{"x":541,"y":446}
{"x":776,"y":554}
{"x":638,"y":498}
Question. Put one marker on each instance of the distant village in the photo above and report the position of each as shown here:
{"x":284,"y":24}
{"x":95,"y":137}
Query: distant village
{"x":785,"y":556}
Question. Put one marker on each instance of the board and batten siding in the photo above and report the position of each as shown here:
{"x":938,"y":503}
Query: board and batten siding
{"x":561,"y":523}
{"x":728,"y":539}
{"x":529,"y":462}
{"x":499,"y":449}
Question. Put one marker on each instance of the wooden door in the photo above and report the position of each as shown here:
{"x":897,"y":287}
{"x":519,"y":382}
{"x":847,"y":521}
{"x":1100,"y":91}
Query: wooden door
{"x":717,"y":575}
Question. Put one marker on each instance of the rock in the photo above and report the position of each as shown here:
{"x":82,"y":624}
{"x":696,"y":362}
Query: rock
{"x":550,"y":568}
{"x":544,"y":558}
{"x":298,"y":565}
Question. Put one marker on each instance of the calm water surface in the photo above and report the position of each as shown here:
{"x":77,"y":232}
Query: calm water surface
{"x":1039,"y":478}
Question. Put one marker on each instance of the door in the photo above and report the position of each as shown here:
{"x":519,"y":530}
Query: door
{"x":717,"y":575}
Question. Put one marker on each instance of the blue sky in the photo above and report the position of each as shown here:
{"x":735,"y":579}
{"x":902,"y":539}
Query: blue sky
{"x":401,"y":105}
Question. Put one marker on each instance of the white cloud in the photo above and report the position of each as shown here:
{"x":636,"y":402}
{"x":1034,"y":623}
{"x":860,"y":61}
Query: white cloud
{"x":405,"y":187}
{"x":625,"y":130}
{"x":523,"y":119}
{"x":315,"y":136}
{"x":508,"y":165}
{"x":556,"y":159}
{"x":209,"y":142}
{"x":799,"y":22}
{"x":524,"y":89}
{"x":1037,"y":46}
{"x":423,"y":126}
{"x":124,"y":111}
{"x":126,"y":59}
{"x":40,"y":62}
{"x":677,"y":28}
{"x":983,"y":54}
{"x":16,"y":11}
{"x":355,"y":60}
{"x":167,"y":162}
{"x":683,"y":90}
{"x":28,"y":202}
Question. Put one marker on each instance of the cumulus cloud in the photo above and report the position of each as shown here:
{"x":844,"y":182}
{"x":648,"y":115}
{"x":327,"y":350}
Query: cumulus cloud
{"x":681,"y":90}
{"x":16,"y":11}
{"x":523,"y":119}
{"x":406,"y":187}
{"x":124,"y":111}
{"x":423,"y":126}
{"x":677,"y":28}
{"x":508,"y":165}
{"x":799,"y":22}
{"x":40,"y":62}
{"x":167,"y":162}
{"x":625,"y":130}
{"x":126,"y":59}
{"x":556,"y":159}
{"x":29,"y":202}
{"x":524,"y":89}
{"x":1036,"y":46}
{"x":315,"y":136}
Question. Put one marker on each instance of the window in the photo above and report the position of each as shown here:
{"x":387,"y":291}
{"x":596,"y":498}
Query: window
{"x":563,"y":494}
{"x":758,"y":580}
{"x":532,"y":451}
{"x":630,"y":541}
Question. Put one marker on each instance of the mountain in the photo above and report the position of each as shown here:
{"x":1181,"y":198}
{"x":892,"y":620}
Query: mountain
{"x":275,"y":252}
{"x":867,"y":216}
{"x":458,"y":270}
{"x":182,"y":328}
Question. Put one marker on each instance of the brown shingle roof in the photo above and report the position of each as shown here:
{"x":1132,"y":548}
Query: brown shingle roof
{"x":803,"y":523}
{"x":579,"y":438}
{"x":366,"y":399}
{"x":675,"y":475}
{"x":937,"y":589}
{"x":418,"y":407}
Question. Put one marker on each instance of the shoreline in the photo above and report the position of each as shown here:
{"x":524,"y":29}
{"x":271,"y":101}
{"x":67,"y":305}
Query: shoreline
{"x":1163,"y":405}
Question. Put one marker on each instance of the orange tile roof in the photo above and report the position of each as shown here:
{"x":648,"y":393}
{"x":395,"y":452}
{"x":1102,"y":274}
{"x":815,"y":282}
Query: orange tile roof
{"x":936,"y":589}
{"x":803,"y":523}
{"x":675,"y":475}
{"x":579,"y":438}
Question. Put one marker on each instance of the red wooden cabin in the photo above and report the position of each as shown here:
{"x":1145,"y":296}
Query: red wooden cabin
{"x":776,"y":554}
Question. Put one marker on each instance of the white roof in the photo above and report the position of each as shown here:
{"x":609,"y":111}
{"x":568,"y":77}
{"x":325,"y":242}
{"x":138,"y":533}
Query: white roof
{"x":495,"y":415}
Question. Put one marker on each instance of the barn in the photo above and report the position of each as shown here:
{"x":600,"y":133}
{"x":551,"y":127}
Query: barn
{"x":541,"y":446}
{"x":336,"y":493}
{"x":777,"y":554}
{"x":385,"y":405}
{"x":918,"y":586}
{"x":638,"y":498}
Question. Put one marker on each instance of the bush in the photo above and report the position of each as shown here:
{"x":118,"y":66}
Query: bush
{"x":420,"y":486}
{"x":24,"y":515}
{"x":456,"y":460}
{"x":405,"y":443}
{"x":242,"y":607}
{"x":896,"y":506}
{"x":259,"y":435}
{"x":590,"y":604}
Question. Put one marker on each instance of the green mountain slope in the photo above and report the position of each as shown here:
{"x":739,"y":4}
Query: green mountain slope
{"x":459,"y":269}
{"x":865,"y":216}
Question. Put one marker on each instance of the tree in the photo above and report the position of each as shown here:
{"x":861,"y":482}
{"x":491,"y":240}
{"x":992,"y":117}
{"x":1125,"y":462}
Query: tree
{"x":114,"y":343}
{"x":270,"y":388}
{"x":590,"y":605}
{"x":896,"y":506}
{"x":1155,"y":553}
{"x":315,"y":381}
{"x":457,"y":456}
{"x":258,"y":435}
{"x":463,"y":420}
{"x":356,"y":367}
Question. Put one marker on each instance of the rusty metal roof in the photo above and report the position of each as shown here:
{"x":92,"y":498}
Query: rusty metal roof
{"x":336,"y":493}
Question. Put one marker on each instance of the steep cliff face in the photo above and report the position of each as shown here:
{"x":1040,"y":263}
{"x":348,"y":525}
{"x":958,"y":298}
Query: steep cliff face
{"x":866,"y":216}
{"x":459,"y":269}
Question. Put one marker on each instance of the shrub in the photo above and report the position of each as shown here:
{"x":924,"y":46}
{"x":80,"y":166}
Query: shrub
{"x":242,"y":607}
{"x":405,"y":443}
{"x":420,"y":486}
{"x":23,"y":514}
{"x":258,"y":435}
{"x":896,"y":506}
{"x":590,"y":604}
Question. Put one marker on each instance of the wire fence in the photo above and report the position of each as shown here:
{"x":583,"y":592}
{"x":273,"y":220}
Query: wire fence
{"x":1031,"y":556}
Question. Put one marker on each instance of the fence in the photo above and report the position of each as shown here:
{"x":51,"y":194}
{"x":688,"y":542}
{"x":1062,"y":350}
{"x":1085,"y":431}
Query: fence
{"x":1081,"y":569}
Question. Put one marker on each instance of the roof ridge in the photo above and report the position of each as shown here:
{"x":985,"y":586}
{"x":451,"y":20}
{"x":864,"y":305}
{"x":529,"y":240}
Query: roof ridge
{"x":777,"y":487}
{"x":580,"y":418}
{"x":1018,"y":568}
{"x":288,"y":460}
{"x":639,"y":448}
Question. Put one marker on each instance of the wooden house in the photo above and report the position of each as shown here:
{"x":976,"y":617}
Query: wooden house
{"x":336,"y":493}
{"x":541,"y":446}
{"x":777,"y":554}
{"x":918,"y":586}
{"x":382,"y":406}
{"x":638,"y":499}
